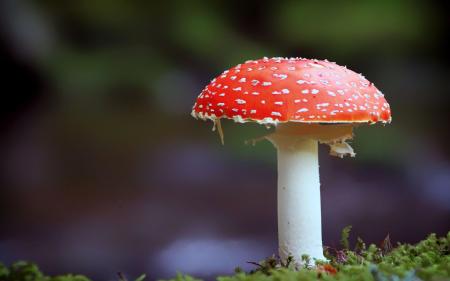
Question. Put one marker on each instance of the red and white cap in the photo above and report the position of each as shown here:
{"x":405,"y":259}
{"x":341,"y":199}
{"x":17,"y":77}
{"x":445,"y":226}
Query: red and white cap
{"x":277,"y":90}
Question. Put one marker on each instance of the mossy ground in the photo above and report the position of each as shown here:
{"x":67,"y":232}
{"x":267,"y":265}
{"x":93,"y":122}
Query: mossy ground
{"x":427,"y":260}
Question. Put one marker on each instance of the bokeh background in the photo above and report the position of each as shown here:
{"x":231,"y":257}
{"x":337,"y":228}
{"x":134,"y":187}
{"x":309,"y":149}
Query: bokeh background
{"x":103,"y":169}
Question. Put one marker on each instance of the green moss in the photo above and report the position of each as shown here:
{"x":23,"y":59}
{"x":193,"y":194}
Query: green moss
{"x":426,"y":260}
{"x":345,"y":234}
{"x":26,"y":271}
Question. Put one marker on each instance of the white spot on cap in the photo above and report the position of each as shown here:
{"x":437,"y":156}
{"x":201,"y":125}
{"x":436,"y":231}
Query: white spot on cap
{"x":314,"y":91}
{"x":302,"y":110}
{"x":285,"y":91}
{"x":242,"y":80}
{"x":330,"y":93}
{"x":301,"y":82}
{"x":255,"y":82}
{"x":266,"y":83}
{"x":315,"y":65}
{"x":240,"y":101}
{"x":280,"y":76}
{"x":275,"y":113}
{"x":237,"y":89}
{"x":253,"y":111}
{"x":255,"y":93}
{"x":278,"y":103}
{"x":233,"y":77}
{"x":220,"y":104}
{"x":305,"y":91}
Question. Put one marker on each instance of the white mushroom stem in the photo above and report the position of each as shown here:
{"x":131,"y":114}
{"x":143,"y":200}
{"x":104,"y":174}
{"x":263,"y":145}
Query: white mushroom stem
{"x":299,"y":213}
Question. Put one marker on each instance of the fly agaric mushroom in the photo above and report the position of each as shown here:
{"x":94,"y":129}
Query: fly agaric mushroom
{"x":308,"y":102}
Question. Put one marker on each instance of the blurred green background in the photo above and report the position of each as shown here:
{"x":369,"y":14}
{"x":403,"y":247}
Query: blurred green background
{"x":103,"y":169}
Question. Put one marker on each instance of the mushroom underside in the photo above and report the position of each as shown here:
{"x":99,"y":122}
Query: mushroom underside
{"x":334,"y":135}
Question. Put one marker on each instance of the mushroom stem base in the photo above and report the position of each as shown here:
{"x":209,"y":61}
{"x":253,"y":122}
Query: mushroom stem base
{"x":299,"y":213}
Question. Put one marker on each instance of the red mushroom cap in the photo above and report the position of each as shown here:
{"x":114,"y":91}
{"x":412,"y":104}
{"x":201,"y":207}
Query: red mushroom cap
{"x":292,"y":89}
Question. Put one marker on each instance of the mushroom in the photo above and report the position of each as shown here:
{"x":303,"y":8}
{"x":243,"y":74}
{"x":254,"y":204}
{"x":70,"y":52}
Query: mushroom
{"x":308,"y":102}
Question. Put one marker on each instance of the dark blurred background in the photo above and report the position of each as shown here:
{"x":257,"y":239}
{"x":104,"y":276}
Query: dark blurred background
{"x":104,"y":170}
